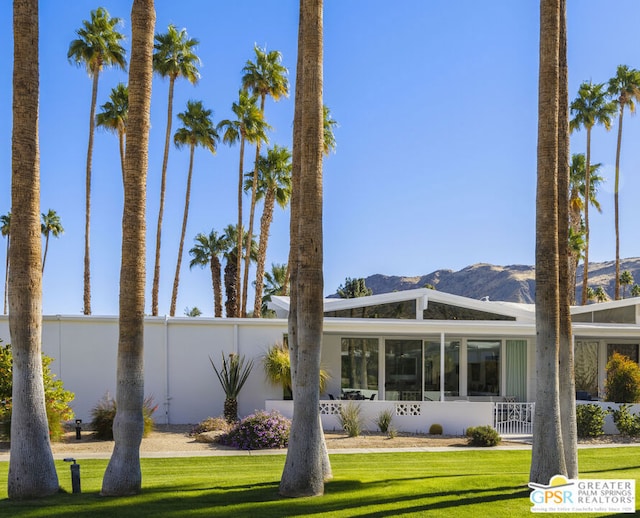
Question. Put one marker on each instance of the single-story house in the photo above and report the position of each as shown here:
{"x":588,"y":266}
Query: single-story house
{"x":427,"y":356}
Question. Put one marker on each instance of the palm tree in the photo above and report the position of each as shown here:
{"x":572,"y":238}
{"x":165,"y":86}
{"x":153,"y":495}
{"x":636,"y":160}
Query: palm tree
{"x":98,"y":46}
{"x":113,"y":117}
{"x":197,"y":130}
{"x":274,"y":283}
{"x":32,"y":472}
{"x":50,"y":225}
{"x":249,"y":126}
{"x":274,"y":185}
{"x":591,"y":293}
{"x":635,"y":290}
{"x":600,"y":295}
{"x":267,"y":76}
{"x":329,"y":141}
{"x":548,"y":455}
{"x":174,"y":56}
{"x":207,"y":252}
{"x":5,"y":228}
{"x":230,"y":272}
{"x":307,"y":465}
{"x":577,"y":175}
{"x":626,"y":279}
{"x":625,"y":87}
{"x":123,"y":475}
{"x":192,"y":312}
{"x":591,"y":107}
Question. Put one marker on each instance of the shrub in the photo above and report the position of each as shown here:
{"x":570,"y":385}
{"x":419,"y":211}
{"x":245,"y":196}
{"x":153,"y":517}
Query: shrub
{"x":623,"y":380}
{"x":435,"y":429}
{"x":57,"y":399}
{"x":258,"y":431}
{"x":383,"y":420}
{"x":232,"y":376}
{"x":104,"y":413}
{"x":626,"y":422}
{"x":211,"y":424}
{"x":483,"y":436}
{"x":350,"y":418}
{"x":590,"y":420}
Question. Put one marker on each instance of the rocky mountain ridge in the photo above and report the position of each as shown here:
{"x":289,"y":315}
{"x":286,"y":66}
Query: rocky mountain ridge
{"x":513,"y":283}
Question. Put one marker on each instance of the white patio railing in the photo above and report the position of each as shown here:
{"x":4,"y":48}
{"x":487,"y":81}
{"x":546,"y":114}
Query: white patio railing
{"x":513,"y":418}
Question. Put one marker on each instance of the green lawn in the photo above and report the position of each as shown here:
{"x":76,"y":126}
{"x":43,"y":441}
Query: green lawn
{"x":486,"y":483}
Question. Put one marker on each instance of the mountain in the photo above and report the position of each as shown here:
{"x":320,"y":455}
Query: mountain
{"x":514,"y":283}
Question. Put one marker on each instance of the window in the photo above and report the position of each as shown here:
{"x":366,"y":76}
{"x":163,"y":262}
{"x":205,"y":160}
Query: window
{"x":586,"y":367}
{"x":432,"y":372}
{"x":360,"y":365}
{"x":483,"y":362}
{"x":628,"y":350}
{"x":403,"y":370}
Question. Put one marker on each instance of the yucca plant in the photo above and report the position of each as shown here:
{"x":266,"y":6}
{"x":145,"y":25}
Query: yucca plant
{"x":277,"y":367}
{"x":232,"y":377}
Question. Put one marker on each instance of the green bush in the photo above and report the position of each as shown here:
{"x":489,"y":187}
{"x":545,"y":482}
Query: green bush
{"x":623,"y":380}
{"x":435,"y":429}
{"x":483,"y":436}
{"x":350,"y":418}
{"x":626,"y":422}
{"x":258,"y":431}
{"x":383,"y":420}
{"x":104,"y":413}
{"x":57,"y":399}
{"x":590,"y":420}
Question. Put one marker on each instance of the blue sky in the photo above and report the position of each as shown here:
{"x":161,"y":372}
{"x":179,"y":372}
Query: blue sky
{"x":436,"y":158}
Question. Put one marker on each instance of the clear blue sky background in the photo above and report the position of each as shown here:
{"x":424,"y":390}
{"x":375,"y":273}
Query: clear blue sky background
{"x":436,"y":159}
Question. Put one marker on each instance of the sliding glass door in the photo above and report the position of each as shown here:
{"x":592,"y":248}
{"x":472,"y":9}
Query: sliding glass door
{"x":403,"y":370}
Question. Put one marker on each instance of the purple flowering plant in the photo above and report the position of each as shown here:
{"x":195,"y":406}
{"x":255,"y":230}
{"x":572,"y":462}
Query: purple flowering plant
{"x":260,"y":430}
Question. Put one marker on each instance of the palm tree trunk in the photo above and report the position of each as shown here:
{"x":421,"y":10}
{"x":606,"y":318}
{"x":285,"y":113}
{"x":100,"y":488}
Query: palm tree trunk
{"x":46,"y":248}
{"x":121,"y":147}
{"x":566,"y":360}
{"x":587,"y":190}
{"x":123,"y":475}
{"x":239,"y":231}
{"x":163,"y":188}
{"x":6,"y":274}
{"x":254,"y":189}
{"x":265,"y":223}
{"x":217,"y":288}
{"x":616,"y":206}
{"x":176,"y":279}
{"x":87,"y":220}
{"x":304,"y":472}
{"x":32,"y":472}
{"x":547,"y":457}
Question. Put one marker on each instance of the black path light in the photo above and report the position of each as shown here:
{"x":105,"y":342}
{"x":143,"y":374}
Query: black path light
{"x":75,"y":475}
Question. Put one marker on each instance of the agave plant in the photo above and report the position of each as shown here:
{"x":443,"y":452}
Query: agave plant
{"x":232,"y":377}
{"x":277,"y":367}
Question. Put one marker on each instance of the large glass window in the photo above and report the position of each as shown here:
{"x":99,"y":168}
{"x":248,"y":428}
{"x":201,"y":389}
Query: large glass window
{"x":360,"y":366}
{"x":403,"y":370}
{"x":586,"y":368}
{"x":432,"y":371}
{"x":483,"y":367}
{"x":628,"y":350}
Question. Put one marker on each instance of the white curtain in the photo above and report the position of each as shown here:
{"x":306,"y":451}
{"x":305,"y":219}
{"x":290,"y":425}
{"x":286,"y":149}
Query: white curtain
{"x":516,"y":385}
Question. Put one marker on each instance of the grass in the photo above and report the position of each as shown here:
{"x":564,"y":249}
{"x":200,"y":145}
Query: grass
{"x":462,"y":483}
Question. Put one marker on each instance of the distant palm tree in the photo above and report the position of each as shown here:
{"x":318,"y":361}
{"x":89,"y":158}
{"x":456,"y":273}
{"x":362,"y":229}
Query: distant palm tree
{"x":98,"y":45}
{"x":249,"y":126}
{"x":600,"y":294}
{"x":114,"y":117}
{"x":591,"y":107}
{"x":635,"y":290}
{"x":264,"y":77}
{"x":51,"y":225}
{"x":173,"y":57}
{"x":625,"y":88}
{"x":329,"y":138}
{"x":192,"y":312}
{"x":230,"y":272}
{"x":591,"y":293}
{"x":274,"y":185}
{"x":626,"y":279}
{"x":197,"y":130}
{"x":5,"y":227}
{"x":207,"y":252}
{"x":577,"y":175}
{"x":274,"y":283}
